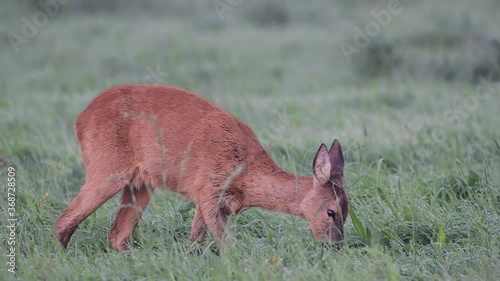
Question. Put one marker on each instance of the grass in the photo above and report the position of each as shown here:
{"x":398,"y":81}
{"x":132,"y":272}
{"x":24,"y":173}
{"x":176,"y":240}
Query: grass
{"x":420,"y":135}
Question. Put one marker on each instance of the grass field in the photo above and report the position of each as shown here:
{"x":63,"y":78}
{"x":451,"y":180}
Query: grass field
{"x":416,"y":111}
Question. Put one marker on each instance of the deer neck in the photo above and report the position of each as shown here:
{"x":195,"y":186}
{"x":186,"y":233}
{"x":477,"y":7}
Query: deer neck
{"x":270,"y":187}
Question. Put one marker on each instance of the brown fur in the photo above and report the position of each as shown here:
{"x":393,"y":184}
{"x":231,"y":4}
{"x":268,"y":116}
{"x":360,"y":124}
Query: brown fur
{"x":138,"y":138}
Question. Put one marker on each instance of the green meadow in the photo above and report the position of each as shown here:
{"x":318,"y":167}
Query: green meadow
{"x":410,"y":88}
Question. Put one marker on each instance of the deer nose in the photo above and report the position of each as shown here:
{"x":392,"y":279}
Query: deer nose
{"x":336,"y":234}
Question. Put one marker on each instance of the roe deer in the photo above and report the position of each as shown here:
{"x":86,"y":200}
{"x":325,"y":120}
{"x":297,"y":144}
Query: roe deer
{"x":138,"y":138}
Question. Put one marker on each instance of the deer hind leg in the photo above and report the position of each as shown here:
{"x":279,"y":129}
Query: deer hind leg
{"x":133,"y":203}
{"x":91,"y":196}
{"x":199,"y":227}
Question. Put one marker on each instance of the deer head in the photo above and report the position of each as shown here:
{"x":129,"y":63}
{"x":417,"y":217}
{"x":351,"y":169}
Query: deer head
{"x":325,"y":206}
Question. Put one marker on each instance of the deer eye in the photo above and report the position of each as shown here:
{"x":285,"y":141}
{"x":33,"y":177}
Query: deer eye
{"x":330,"y":213}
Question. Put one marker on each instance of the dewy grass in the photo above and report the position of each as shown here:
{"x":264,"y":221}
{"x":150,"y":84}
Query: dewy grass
{"x":422,"y":155}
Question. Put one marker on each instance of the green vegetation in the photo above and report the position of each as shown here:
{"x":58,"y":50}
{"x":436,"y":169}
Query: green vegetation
{"x":416,"y":111}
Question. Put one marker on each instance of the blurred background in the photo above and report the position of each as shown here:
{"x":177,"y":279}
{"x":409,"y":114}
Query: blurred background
{"x":411,"y":89}
{"x":279,"y":46}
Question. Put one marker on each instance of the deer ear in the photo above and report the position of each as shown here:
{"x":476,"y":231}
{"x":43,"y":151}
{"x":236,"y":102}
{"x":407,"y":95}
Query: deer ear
{"x":336,"y":160}
{"x":322,"y":165}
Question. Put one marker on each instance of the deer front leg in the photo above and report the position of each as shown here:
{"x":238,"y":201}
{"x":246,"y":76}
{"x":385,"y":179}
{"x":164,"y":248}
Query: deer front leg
{"x":199,"y":227}
{"x":215,"y":219}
